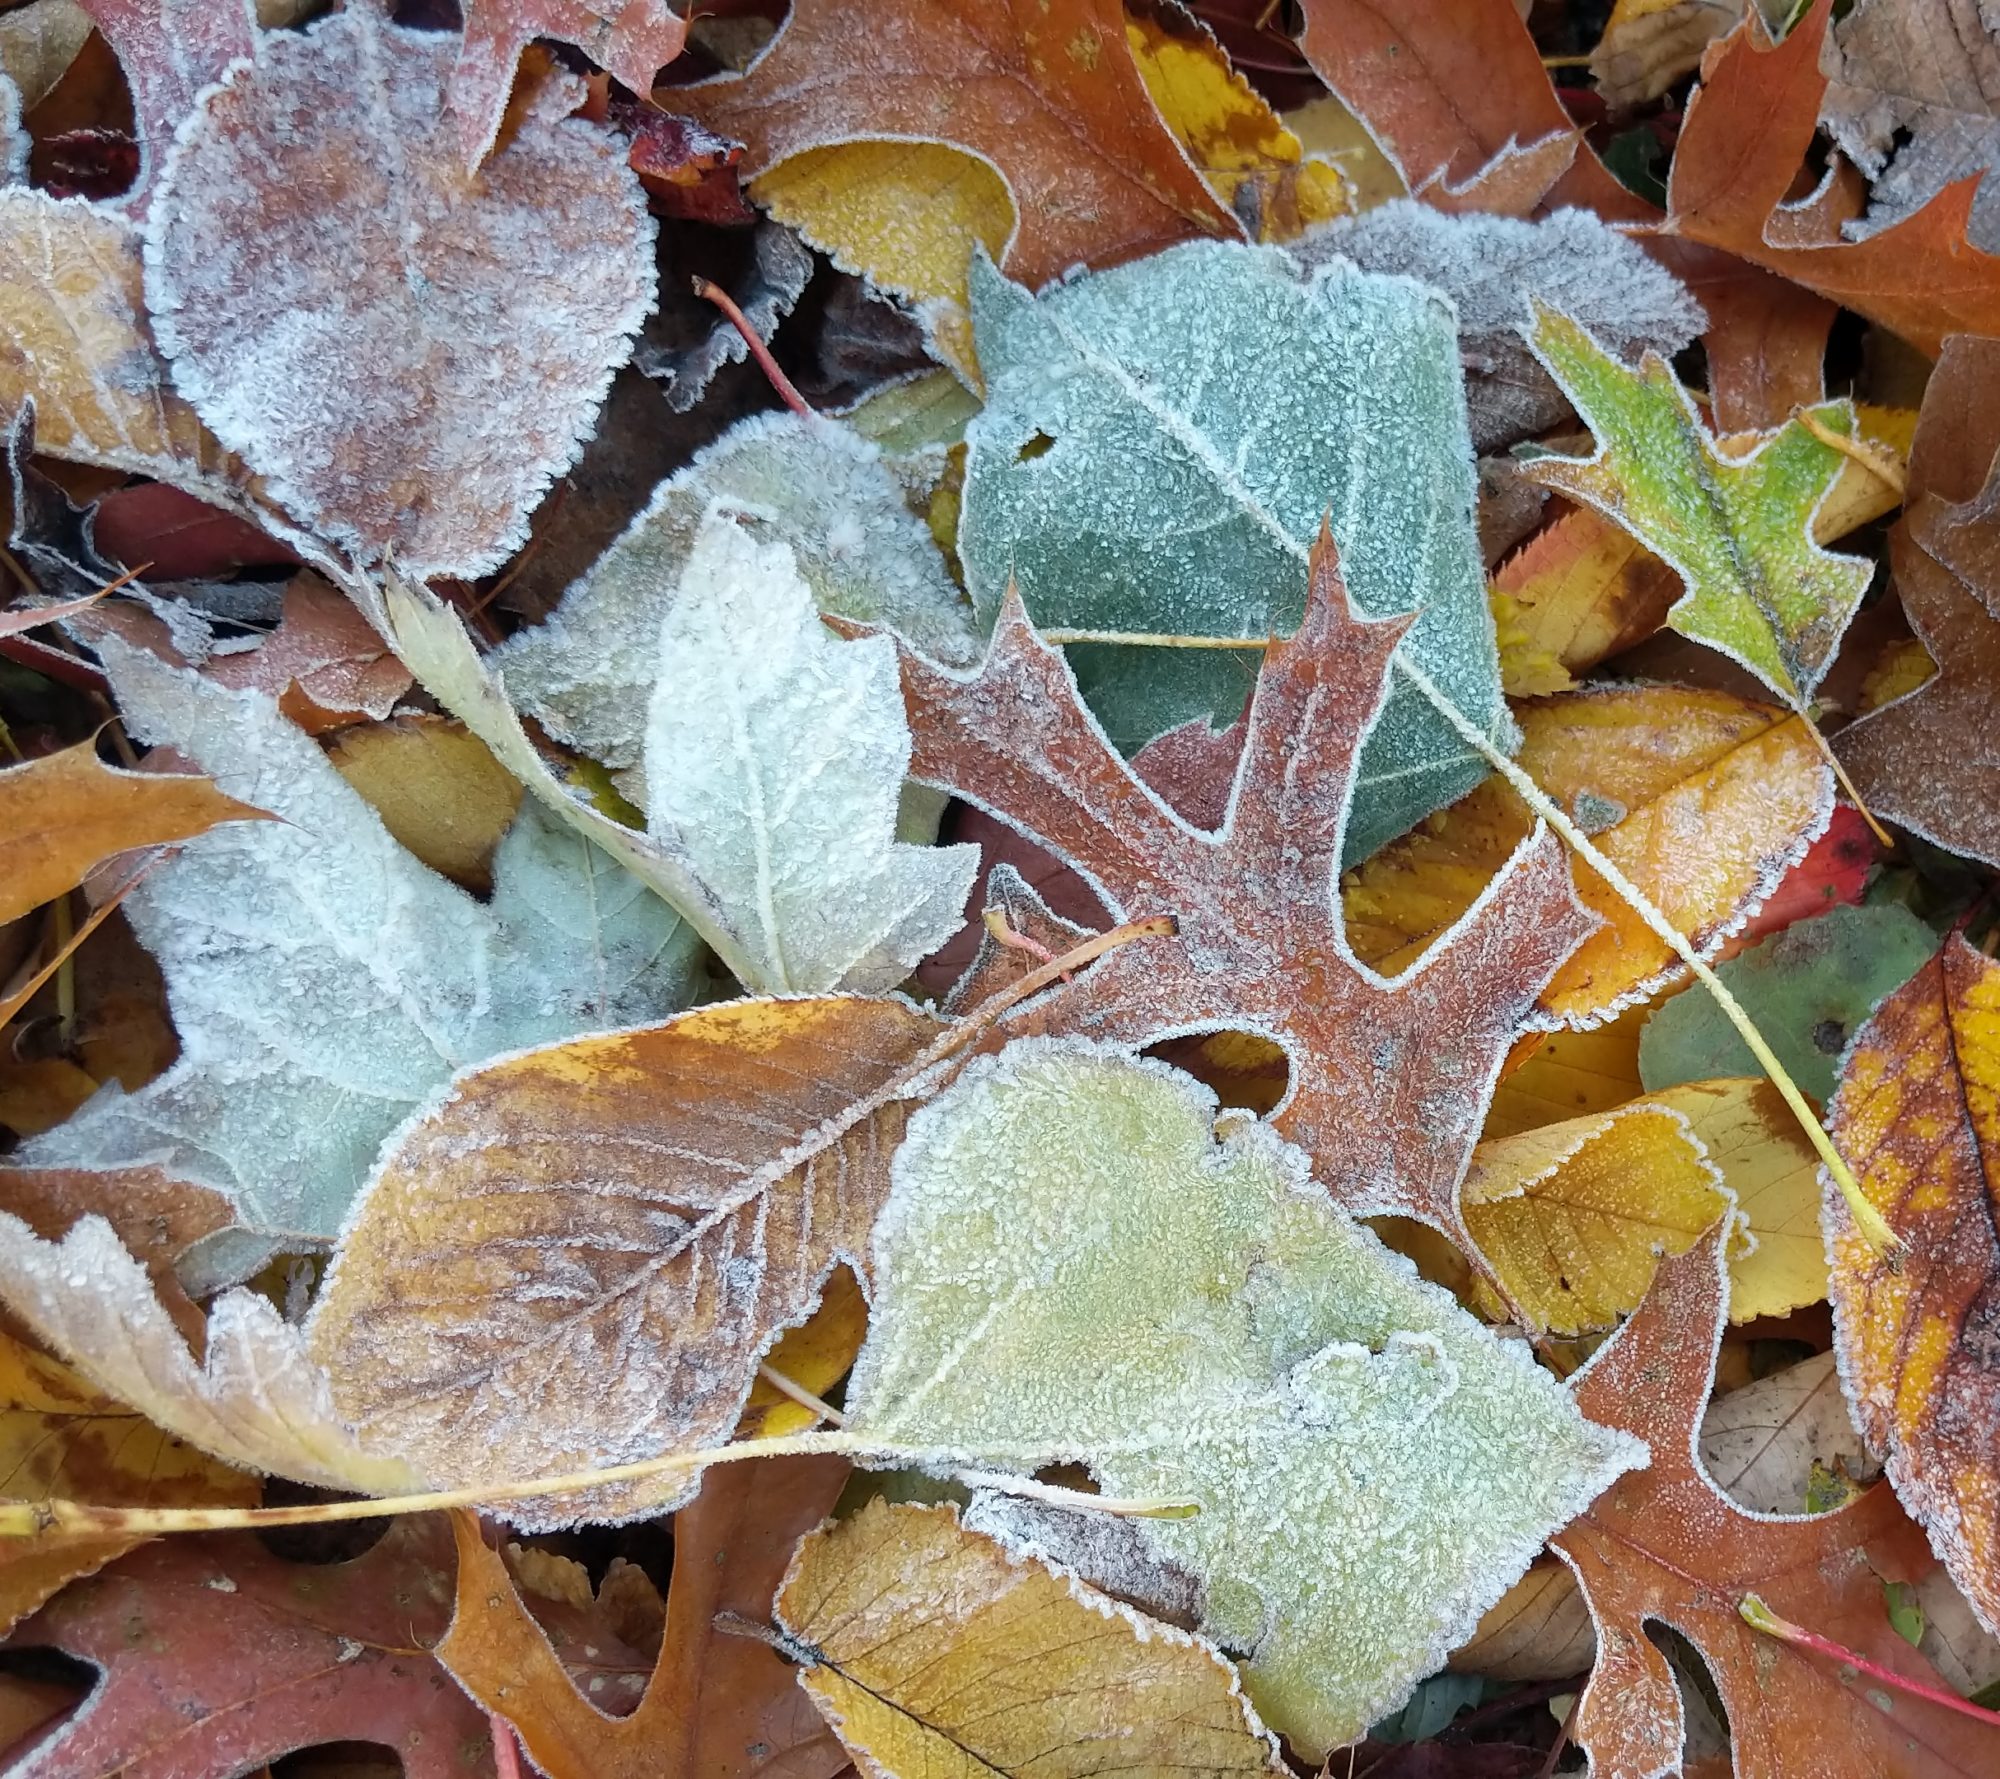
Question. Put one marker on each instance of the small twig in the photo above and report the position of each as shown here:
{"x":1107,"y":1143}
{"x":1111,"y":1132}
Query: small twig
{"x":13,"y":1003}
{"x":801,"y":1395}
{"x":1855,"y":450}
{"x":1825,"y":747}
{"x":1761,"y":1618}
{"x":704,"y":287}
{"x":1547,"y":1769}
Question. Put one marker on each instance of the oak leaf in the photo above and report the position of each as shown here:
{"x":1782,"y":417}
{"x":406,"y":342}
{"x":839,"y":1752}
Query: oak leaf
{"x":1388,"y":1080}
{"x":1664,"y":1544}
{"x":1068,"y":1245}
{"x":65,"y":812}
{"x":372,"y":328}
{"x":931,"y":1648}
{"x":1916,"y":1115}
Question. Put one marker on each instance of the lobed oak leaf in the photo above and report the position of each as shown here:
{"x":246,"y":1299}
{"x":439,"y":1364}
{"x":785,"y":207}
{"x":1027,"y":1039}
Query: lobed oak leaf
{"x":1388,"y":1080}
{"x":716,"y":1703}
{"x":372,"y":328}
{"x":66,"y":812}
{"x":1644,"y":769}
{"x":1665,"y":1545}
{"x":1068,"y":1247}
{"x":931,"y":1648}
{"x":631,"y":39}
{"x":1916,"y":1114}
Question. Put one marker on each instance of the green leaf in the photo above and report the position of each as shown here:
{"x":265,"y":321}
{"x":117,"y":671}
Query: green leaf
{"x":1160,"y":445}
{"x":1737,"y":530}
{"x":1806,"y":988}
{"x":1072,"y":1268}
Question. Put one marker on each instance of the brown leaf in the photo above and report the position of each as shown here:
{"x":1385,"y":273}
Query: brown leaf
{"x":169,"y":51}
{"x":64,"y":813}
{"x":1389,"y":1082}
{"x":1043,"y":90}
{"x":374,"y":329}
{"x":1648,"y":46}
{"x":1918,"y":1118}
{"x":437,"y":788}
{"x":1665,"y":1545}
{"x":325,"y":663}
{"x":180,"y":538}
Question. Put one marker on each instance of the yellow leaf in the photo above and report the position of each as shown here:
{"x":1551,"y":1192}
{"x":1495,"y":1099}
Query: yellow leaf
{"x":437,"y":788}
{"x":817,"y":1355}
{"x":1571,"y":1074}
{"x":1328,"y":131}
{"x":1574,"y":1216}
{"x":937,"y":1652}
{"x":1902,"y":669}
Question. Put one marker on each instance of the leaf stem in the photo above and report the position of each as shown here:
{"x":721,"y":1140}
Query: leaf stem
{"x":1847,"y":784}
{"x":1153,"y":639}
{"x":801,"y":1395}
{"x":714,"y":293}
{"x":1875,"y":1231}
{"x":1761,"y":1618}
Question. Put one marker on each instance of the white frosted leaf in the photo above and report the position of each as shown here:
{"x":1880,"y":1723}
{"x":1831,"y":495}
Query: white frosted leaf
{"x":324,"y":983}
{"x":255,"y":1400}
{"x":775,"y":759}
{"x":1490,"y":266}
{"x":1072,"y":1268}
{"x":586,"y":674}
{"x":407,"y":352}
{"x":1159,"y":447}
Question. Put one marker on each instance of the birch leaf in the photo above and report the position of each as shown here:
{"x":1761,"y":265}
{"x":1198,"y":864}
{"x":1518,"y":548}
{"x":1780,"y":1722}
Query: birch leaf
{"x":1737,"y":530}
{"x":1160,"y":446}
{"x":324,"y":982}
{"x":586,"y":675}
{"x":1071,"y":1268}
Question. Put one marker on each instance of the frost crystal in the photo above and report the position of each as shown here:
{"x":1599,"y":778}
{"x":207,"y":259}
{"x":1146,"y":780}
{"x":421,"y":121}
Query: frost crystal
{"x":1160,"y":446}
{"x":587,"y":673}
{"x":324,"y":982}
{"x":1070,"y":1268}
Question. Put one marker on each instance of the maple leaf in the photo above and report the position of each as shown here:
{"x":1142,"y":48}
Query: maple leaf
{"x":1664,"y":1544}
{"x":890,"y":1608}
{"x":374,"y":331}
{"x":1068,"y":1246}
{"x":1228,"y":382}
{"x":1916,"y":1112}
{"x":1388,"y":1080}
{"x":631,"y":39}
{"x":65,"y":812}
{"x":314,"y":965}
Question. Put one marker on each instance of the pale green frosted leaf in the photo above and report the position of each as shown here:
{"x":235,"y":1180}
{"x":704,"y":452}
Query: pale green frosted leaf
{"x":1806,"y":989}
{"x":1737,"y":530}
{"x":776,"y":755}
{"x":324,"y":982}
{"x":1070,"y":1268}
{"x":1160,"y":444}
{"x":814,"y":484}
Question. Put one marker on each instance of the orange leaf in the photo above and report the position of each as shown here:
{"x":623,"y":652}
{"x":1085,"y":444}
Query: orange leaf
{"x":1918,"y":1116}
{"x":325,"y":663}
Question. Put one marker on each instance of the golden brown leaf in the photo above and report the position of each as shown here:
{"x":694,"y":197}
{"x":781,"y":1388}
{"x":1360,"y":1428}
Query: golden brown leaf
{"x":1538,"y":1630}
{"x":437,"y":788}
{"x":816,"y":1355}
{"x":64,"y":813}
{"x":1569,"y":1074}
{"x":936,"y":1651}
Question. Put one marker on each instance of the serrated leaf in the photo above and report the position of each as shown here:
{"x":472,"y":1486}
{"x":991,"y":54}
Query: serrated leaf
{"x":1737,"y":530}
{"x":324,"y":983}
{"x":1161,"y":444}
{"x":1071,"y":1268}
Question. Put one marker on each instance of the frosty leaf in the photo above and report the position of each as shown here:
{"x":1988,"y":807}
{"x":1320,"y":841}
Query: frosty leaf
{"x":1071,"y":1268}
{"x":1738,"y":530}
{"x":934,"y":1650}
{"x":1489,"y":266}
{"x":403,"y":354}
{"x":324,"y":983}
{"x":255,"y":1399}
{"x":1649,"y":44}
{"x":1161,"y":444}
{"x":781,"y":268}
{"x":588,"y":673}
{"x":1760,"y":1443}
{"x":1914,"y":99}
{"x":775,"y":758}
{"x":631,"y":39}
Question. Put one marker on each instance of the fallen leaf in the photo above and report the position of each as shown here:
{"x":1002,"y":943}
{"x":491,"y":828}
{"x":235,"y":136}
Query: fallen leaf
{"x":1388,"y":1081}
{"x":325,"y":663}
{"x":815,"y":1355}
{"x":1915,"y":1115}
{"x":1068,"y":1245}
{"x":437,"y":788}
{"x":37,"y":44}
{"x":1759,"y":1444}
{"x":692,"y":175}
{"x":1649,"y":44}
{"x":1641,"y":768}
{"x":313,"y":964}
{"x":1738,"y":530}
{"x":1217,"y":379}
{"x":180,"y":537}
{"x":1806,"y":989}
{"x":66,"y":812}
{"x":1912,"y":100}
{"x":1747,"y":130}
{"x":632,"y":39}
{"x":934,"y":1649}
{"x":375,"y":332}
{"x":496,"y":1310}
{"x":1539,"y":1629}
{"x":1665,"y":1545}
{"x":1569,"y":1074}
{"x":1576,"y":592}
{"x":685,"y":359}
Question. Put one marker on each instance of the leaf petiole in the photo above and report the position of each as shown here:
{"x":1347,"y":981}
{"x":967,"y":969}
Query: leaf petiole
{"x":1761,"y":1618}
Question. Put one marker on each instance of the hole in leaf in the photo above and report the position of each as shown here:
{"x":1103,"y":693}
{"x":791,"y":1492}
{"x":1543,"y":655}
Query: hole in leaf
{"x":339,"y":1760}
{"x":42,"y":1686}
{"x":1706,"y":1736}
{"x":1247,"y":1070}
{"x":1038,"y":446}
